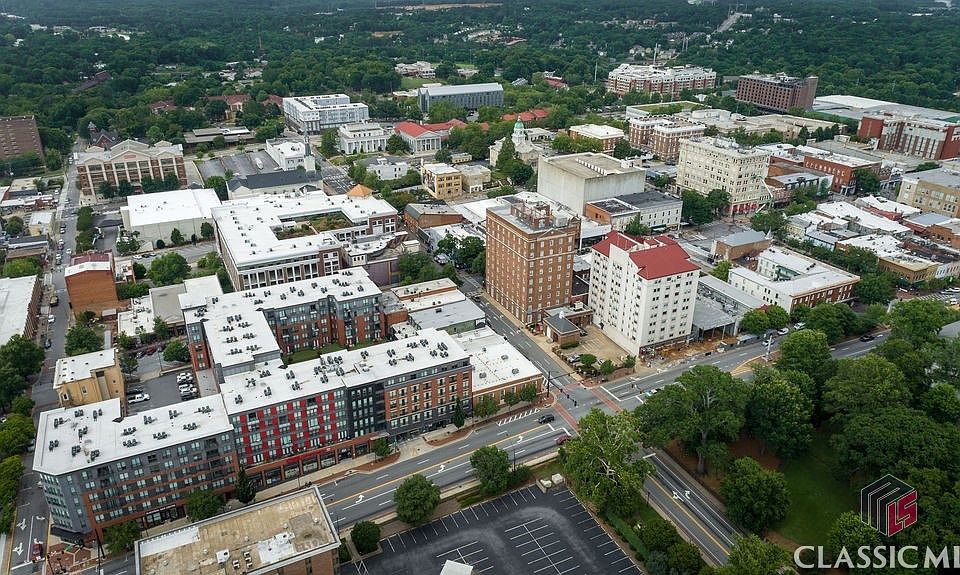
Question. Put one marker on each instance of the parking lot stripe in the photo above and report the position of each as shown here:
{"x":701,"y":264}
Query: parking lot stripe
{"x":522,"y":525}
{"x":632,"y":566}
{"x":456,"y":549}
{"x":454,"y":519}
{"x":474,"y":511}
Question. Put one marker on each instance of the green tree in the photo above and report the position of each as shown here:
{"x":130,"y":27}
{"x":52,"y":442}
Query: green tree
{"x":754,"y":556}
{"x":834,"y":320}
{"x":128,"y":363}
{"x":807,"y":351}
{"x":491,"y":466}
{"x":381,"y":447}
{"x":850,"y":531}
{"x":777,"y":317}
{"x":11,"y":384}
{"x":21,"y":267}
{"x":175,"y":351}
{"x":658,"y":534}
{"x":722,"y":270}
{"x":443,"y":155}
{"x":365,"y":536}
{"x":470,"y":247}
{"x":176,"y":237}
{"x":23,"y":405}
{"x":219,"y":185}
{"x":769,"y":221}
{"x":867,"y":182}
{"x":125,"y":341}
{"x":328,"y":143}
{"x":607,"y":367}
{"x":756,"y":498}
{"x":486,"y":406}
{"x":447,"y":245}
{"x":121,"y":536}
{"x":170,"y":268}
{"x":695,"y":208}
{"x":203,"y":504}
{"x":704,"y":410}
{"x":245,"y":491}
{"x":875,"y":288}
{"x":511,"y":398}
{"x":22,"y":354}
{"x":636,"y":227}
{"x":139,"y":270}
{"x":124,"y":189}
{"x":864,"y":385}
{"x":918,"y":321}
{"x":15,"y":434}
{"x":81,"y":339}
{"x":779,"y":414}
{"x":445,"y":111}
{"x":622,"y":149}
{"x":127,"y":245}
{"x":718,"y":201}
{"x":602,"y":462}
{"x":528,"y":392}
{"x":106,"y":190}
{"x":416,"y":498}
{"x":588,"y":360}
{"x":160,"y":328}
{"x":14,"y":226}
{"x":508,"y":152}
{"x":684,"y":559}
{"x":396,"y":145}
{"x":206,"y":230}
{"x":755,"y":321}
{"x":459,"y":417}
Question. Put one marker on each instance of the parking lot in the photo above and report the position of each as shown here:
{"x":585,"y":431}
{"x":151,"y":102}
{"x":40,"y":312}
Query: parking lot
{"x":162,"y":391}
{"x":524,"y":532}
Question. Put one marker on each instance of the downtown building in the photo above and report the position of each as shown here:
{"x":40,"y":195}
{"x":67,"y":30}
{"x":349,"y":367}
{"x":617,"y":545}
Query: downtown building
{"x":19,"y":136}
{"x":661,"y":135}
{"x":130,"y":161}
{"x":659,"y":79}
{"x":706,"y":163}
{"x":312,"y":114}
{"x":927,"y":138}
{"x":466,"y":96}
{"x":936,"y":191}
{"x":777,"y":92}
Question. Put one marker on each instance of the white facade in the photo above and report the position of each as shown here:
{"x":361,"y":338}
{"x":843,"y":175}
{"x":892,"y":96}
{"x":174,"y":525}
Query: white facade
{"x":362,"y":138}
{"x":387,"y":170}
{"x":708,"y":163}
{"x":289,"y":154}
{"x":575,"y":179}
{"x":315,"y":113}
{"x":154,"y":216}
{"x":642,"y":291}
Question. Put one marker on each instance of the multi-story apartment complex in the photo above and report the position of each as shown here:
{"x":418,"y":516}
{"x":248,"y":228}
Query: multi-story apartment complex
{"x":468,"y":96}
{"x":232,"y":332}
{"x":777,"y":92}
{"x":294,"y":419}
{"x":268,"y":240}
{"x":787,"y":278}
{"x":575,"y":179}
{"x":98,"y":467}
{"x":19,"y":136}
{"x":926,"y":138}
{"x":311,"y":114}
{"x":661,"y":135}
{"x":129,"y":160}
{"x":287,"y":535}
{"x":659,"y":79}
{"x":364,"y":138}
{"x":656,"y":210}
{"x":530,"y":252}
{"x":442,"y":181}
{"x":935,"y":191}
{"x":88,"y":378}
{"x":708,"y":163}
{"x":642,"y":290}
{"x":608,"y":136}
{"x":19,"y":307}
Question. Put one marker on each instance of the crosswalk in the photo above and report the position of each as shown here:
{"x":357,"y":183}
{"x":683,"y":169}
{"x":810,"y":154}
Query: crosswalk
{"x":517,"y":416}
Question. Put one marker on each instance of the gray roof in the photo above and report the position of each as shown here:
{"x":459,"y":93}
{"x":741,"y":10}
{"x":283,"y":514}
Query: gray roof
{"x":649,"y":198}
{"x":927,"y":219}
{"x":951,"y":330}
{"x":445,"y":315}
{"x":462,"y":89}
{"x":27,"y":241}
{"x":743,"y":238}
{"x":561,"y":324}
{"x":274,"y":179}
{"x":417,"y":210}
{"x":940,"y":176}
{"x":708,"y":314}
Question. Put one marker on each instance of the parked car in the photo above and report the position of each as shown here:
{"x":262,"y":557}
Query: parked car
{"x":54,"y":301}
{"x":546,"y":418}
{"x":139,"y":398}
{"x":36,"y":552}
{"x":799,"y":325}
{"x":184,"y":376}
{"x":51,"y":318}
{"x":562,"y":439}
{"x":47,"y":343}
{"x":868,"y":337}
{"x":783,"y":331}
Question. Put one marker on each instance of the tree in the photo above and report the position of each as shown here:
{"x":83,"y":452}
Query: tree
{"x":176,"y":237}
{"x":168,"y":269}
{"x":756,"y":498}
{"x":416,"y":498}
{"x":328,"y":143}
{"x":607,"y":367}
{"x":587,"y":360}
{"x":511,"y":398}
{"x":54,"y":159}
{"x":22,"y":354}
{"x":206,"y":230}
{"x":754,"y":556}
{"x":216,"y":110}
{"x":82,"y":339}
{"x":365,"y":536}
{"x":106,"y":190}
{"x":777,"y":317}
{"x":459,"y":417}
{"x":717,"y":201}
{"x":128,"y":290}
{"x":806,"y":351}
{"x":851,"y":532}
{"x":443,"y":155}
{"x":128,"y":363}
{"x":124,"y":189}
{"x":602,"y":461}
{"x":486,"y":406}
{"x":245,"y":491}
{"x":875,"y":288}
{"x":381,"y":447}
{"x":864,"y":385}
{"x":127,"y":245}
{"x":722,"y":270}
{"x":139,"y":270}
{"x":684,"y":559}
{"x":769,"y":221}
{"x":704,"y":410}
{"x":121,"y":536}
{"x":23,"y":405}
{"x":658,"y":534}
{"x":175,"y":351}
{"x":867,"y":182}
{"x":636,"y":227}
{"x":445,"y":111}
{"x":508,"y":152}
{"x":11,"y":384}
{"x":219,"y":185}
{"x":21,"y":267}
{"x":491,"y":466}
{"x":160,"y":328}
{"x":779,"y":414}
{"x":447,"y":245}
{"x":621,"y":149}
{"x":833,"y":319}
{"x":396,"y":145}
{"x":203,"y":504}
{"x":918,"y":320}
{"x":470,"y":247}
{"x":755,"y":321}
{"x":528,"y":392}
{"x":15,"y":434}
{"x":695,"y":208}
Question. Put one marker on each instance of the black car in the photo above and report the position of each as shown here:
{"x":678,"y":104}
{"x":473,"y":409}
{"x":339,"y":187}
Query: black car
{"x":867,"y":337}
{"x":545,"y":418}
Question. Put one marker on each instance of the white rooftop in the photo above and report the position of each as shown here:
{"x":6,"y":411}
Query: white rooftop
{"x":270,"y":383}
{"x":456,"y":89}
{"x":174,"y":206}
{"x":41,"y":218}
{"x":597,"y":131}
{"x":15,"y":297}
{"x":883,"y":204}
{"x":79,"y":366}
{"x":879,"y":244}
{"x":73,"y":438}
{"x":86,"y":267}
{"x":813,"y":275}
{"x":440,"y":169}
{"x":862,"y":217}
{"x":789,"y":151}
{"x":495,"y":361}
{"x":476,"y":212}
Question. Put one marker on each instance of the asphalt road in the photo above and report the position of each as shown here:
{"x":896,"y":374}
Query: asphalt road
{"x":334,"y":176}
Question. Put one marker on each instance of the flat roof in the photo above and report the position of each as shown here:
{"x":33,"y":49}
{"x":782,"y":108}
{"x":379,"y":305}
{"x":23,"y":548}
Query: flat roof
{"x":880,"y":244}
{"x":709,"y":314}
{"x":440,"y":169}
{"x":445,"y":315}
{"x":457,"y":89}
{"x":417,"y":210}
{"x":598,"y":131}
{"x":815,"y":275}
{"x":940,"y":176}
{"x":856,"y":107}
{"x":927,"y":219}
{"x":277,"y":532}
{"x":743,"y":238}
{"x":15,"y":297}
{"x":108,"y":436}
{"x":413,"y":292}
{"x":495,"y":361}
{"x":270,"y":383}
{"x":88,"y":266}
{"x":79,"y":366}
{"x":883,"y":204}
{"x":715,"y":284}
{"x":862,"y":217}
{"x":590,"y":165}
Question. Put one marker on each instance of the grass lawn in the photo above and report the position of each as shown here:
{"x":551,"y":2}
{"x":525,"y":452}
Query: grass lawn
{"x":409,"y":83}
{"x":817,"y":497}
{"x":302,"y":355}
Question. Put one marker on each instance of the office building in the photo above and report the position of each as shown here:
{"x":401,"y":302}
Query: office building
{"x":365,"y":138}
{"x":130,"y":161}
{"x":19,"y":307}
{"x":530,"y":251}
{"x":607,"y":136}
{"x":842,"y":168}
{"x":661,"y":135}
{"x":936,"y":191}
{"x":19,"y":136}
{"x":575,"y":179}
{"x":467,"y":96}
{"x":419,"y":217}
{"x":708,"y":163}
{"x":473,"y":178}
{"x":913,"y":135}
{"x":88,"y":378}
{"x":740,"y":244}
{"x":498,"y":367}
{"x":153,"y":217}
{"x":642,"y":290}
{"x":777,"y":92}
{"x":656,"y":210}
{"x":279,"y":182}
{"x":659,"y":79}
{"x":435,"y":304}
{"x":442,"y":181}
{"x":290,"y":154}
{"x":786,"y":278}
{"x":98,"y":467}
{"x":418,"y":69}
{"x":388,"y":168}
{"x":292,"y":534}
{"x":91,"y":286}
{"x":312,"y":114}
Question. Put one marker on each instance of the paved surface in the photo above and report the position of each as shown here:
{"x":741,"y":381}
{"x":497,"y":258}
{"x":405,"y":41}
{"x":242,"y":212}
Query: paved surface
{"x":521,"y":533}
{"x":163,"y":391}
{"x":334,"y":177}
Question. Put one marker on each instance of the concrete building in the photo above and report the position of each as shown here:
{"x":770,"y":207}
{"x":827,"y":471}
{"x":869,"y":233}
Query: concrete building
{"x":889,"y":209}
{"x":19,"y":136}
{"x":281,"y":182}
{"x":659,"y":79}
{"x":862,"y":221}
{"x":530,"y":252}
{"x":418,"y":69}
{"x":388,"y":169}
{"x":642,"y":291}
{"x":575,"y":179}
{"x":88,"y":378}
{"x":740,"y":244}
{"x":656,"y":210}
{"x":312,"y":114}
{"x":130,"y":161}
{"x":419,"y":217}
{"x":230,"y":135}
{"x":164,"y":303}
{"x":777,"y":92}
{"x":608,"y":136}
{"x":720,"y":308}
{"x":91,"y":286}
{"x":365,"y":138}
{"x":468,"y":96}
{"x":287,"y":535}
{"x":708,"y":163}
{"x":436,"y":304}
{"x":726,"y":122}
{"x":524,"y":144}
{"x":39,"y":223}
{"x":926,"y":138}
{"x":19,"y":307}
{"x":98,"y":467}
{"x":786,"y":278}
{"x":155,"y":216}
{"x":473,"y":178}
{"x":498,"y":367}
{"x":442,"y":181}
{"x":290,"y":154}
{"x":661,"y":135}
{"x":936,"y":191}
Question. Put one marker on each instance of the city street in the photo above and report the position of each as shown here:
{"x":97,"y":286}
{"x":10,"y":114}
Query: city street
{"x":334,"y":176}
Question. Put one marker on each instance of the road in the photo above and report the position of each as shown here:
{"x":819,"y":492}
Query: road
{"x":334,"y":176}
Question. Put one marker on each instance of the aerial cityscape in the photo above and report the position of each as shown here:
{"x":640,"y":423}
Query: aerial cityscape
{"x":396,"y":287}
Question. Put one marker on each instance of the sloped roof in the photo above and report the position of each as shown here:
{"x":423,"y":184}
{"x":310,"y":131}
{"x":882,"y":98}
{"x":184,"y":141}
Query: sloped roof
{"x":662,"y":257}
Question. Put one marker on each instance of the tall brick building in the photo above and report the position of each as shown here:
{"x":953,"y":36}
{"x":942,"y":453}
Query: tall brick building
{"x":19,"y":136}
{"x":926,"y":138}
{"x":777,"y":92}
{"x":91,"y":283}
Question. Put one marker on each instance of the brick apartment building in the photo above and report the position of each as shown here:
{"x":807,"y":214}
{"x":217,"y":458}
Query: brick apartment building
{"x":659,"y":79}
{"x":530,"y":258}
{"x":926,"y":138}
{"x":777,"y":92}
{"x":19,"y":136}
{"x":661,"y":135}
{"x":91,"y":283}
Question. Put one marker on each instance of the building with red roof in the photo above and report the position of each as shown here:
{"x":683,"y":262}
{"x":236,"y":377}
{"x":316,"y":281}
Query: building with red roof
{"x":642,"y":290}
{"x":528,"y":116}
{"x":426,"y":138}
